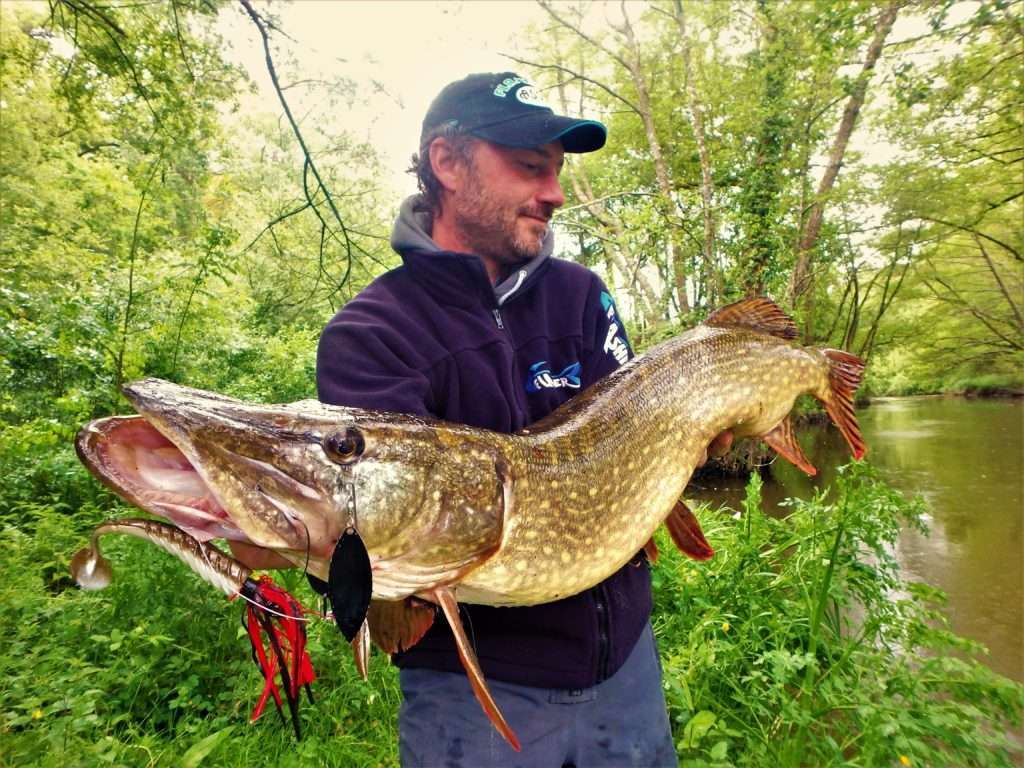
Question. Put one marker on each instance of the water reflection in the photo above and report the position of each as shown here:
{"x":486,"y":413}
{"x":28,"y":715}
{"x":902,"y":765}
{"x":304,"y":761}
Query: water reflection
{"x":966,"y":459}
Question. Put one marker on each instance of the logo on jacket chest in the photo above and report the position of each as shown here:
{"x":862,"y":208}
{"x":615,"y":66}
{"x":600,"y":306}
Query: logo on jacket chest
{"x":541,"y":377}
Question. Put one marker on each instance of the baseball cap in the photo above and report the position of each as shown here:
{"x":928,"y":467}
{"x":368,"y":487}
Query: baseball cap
{"x":504,"y":108}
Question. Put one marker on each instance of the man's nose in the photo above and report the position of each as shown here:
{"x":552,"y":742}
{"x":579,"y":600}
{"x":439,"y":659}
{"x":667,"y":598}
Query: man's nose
{"x":551,"y":192}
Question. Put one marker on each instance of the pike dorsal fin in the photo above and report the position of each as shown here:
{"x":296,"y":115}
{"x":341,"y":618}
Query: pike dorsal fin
{"x":758,"y":314}
{"x":397,"y":625}
{"x":686,"y":533}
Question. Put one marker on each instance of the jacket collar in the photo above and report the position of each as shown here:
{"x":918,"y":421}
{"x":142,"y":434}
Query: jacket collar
{"x":457,"y":278}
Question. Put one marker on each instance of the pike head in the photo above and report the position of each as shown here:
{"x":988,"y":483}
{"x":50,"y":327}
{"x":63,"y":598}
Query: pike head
{"x":427,"y":499}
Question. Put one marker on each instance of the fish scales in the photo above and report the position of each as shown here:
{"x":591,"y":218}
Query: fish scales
{"x":415,"y":511}
{"x":594,"y":482}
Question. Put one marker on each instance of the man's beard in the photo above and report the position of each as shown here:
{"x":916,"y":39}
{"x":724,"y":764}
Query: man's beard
{"x":489,"y":227}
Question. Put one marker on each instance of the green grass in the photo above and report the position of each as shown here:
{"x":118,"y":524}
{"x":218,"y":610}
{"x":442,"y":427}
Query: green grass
{"x":797,"y":644}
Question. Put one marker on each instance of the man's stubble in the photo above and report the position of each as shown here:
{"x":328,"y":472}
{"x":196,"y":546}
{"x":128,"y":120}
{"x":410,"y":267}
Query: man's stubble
{"x":488,"y":224}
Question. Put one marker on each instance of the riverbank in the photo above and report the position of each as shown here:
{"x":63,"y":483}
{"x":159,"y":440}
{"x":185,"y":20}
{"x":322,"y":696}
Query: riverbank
{"x":965,"y":457}
{"x":995,"y":393}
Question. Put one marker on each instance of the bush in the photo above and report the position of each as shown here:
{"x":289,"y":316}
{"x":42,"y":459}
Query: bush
{"x":800,"y":644}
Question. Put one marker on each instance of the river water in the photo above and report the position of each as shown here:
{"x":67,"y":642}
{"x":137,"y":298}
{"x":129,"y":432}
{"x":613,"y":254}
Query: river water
{"x":966,"y":458}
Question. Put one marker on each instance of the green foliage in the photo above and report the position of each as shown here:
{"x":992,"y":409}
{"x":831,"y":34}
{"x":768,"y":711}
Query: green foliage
{"x":919,"y":252}
{"x":799,"y":643}
{"x":156,"y":669}
{"x":146,"y":228}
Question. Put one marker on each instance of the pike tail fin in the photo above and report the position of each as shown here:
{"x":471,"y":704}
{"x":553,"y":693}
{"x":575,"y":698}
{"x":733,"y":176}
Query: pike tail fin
{"x":845,"y":373}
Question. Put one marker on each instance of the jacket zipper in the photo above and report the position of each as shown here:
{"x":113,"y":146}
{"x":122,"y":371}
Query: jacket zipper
{"x":516,"y":391}
{"x":603,"y":631}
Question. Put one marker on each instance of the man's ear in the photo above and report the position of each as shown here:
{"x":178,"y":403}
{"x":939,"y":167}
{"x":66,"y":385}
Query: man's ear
{"x":447,"y":164}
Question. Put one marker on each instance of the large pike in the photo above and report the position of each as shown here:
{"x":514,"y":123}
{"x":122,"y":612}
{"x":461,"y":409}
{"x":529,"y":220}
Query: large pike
{"x":449,"y":513}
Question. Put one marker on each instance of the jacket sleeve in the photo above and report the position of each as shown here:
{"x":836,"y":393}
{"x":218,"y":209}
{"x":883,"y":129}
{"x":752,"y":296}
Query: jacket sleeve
{"x":605,"y":344}
{"x":363,"y":361}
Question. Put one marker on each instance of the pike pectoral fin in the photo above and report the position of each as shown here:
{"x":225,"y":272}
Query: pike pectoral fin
{"x":397,"y":625}
{"x":446,"y":599}
{"x":845,"y":373}
{"x":349,"y":583}
{"x":783,"y":441}
{"x":361,"y":650}
{"x":686,"y":533}
{"x":651,"y":550}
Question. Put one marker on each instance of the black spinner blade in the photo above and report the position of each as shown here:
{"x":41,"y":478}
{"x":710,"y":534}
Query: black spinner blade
{"x":350,"y":583}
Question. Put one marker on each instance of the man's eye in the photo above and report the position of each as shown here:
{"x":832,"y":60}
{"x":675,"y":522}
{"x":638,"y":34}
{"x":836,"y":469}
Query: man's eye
{"x":532,"y":167}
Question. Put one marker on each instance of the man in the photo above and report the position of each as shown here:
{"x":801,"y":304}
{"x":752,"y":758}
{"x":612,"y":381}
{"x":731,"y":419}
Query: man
{"x":480,"y":325}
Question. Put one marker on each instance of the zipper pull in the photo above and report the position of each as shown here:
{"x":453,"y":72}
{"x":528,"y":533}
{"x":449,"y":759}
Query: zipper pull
{"x":497,"y":318}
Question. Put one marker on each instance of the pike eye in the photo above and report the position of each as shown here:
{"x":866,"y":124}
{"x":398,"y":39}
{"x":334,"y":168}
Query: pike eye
{"x":345,"y":447}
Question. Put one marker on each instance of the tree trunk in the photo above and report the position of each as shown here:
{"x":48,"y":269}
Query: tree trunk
{"x":645,"y":296}
{"x":642,"y":107}
{"x":712,"y":278}
{"x":801,"y":284}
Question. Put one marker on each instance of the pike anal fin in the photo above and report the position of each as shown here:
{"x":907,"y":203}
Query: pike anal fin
{"x":685,"y":530}
{"x":651,"y":550}
{"x":446,"y":599}
{"x":783,"y":441}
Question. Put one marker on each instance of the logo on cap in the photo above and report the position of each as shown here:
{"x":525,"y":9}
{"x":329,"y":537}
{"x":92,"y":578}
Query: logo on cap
{"x":525,"y":93}
{"x":507,"y":85}
{"x":528,"y":95}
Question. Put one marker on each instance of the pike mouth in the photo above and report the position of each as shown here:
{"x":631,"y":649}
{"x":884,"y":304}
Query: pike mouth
{"x":136,"y":461}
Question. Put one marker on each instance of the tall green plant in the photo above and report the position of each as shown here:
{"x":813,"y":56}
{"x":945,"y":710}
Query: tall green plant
{"x":800,"y":644}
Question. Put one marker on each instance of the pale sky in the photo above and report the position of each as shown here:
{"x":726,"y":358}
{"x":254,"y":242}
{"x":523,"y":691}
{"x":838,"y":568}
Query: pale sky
{"x":413,"y":49}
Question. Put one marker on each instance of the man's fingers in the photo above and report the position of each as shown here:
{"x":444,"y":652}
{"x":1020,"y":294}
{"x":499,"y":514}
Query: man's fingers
{"x":717,"y":447}
{"x":720,"y":445}
{"x":257,"y":558}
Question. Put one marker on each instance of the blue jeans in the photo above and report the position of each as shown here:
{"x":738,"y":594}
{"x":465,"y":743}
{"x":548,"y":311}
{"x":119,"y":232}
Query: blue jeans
{"x":620,"y":722}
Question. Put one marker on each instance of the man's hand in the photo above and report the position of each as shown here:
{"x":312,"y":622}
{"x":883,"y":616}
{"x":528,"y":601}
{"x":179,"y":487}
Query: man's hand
{"x":717,"y":447}
{"x":257,"y":558}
